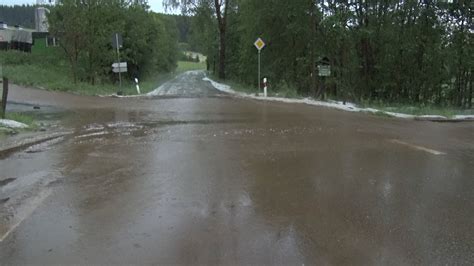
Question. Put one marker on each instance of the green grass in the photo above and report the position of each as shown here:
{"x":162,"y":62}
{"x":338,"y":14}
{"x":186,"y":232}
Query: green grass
{"x":19,"y":117}
{"x":184,"y":66}
{"x":22,"y":118}
{"x":286,"y":91}
{"x":278,"y":90}
{"x":43,"y":69}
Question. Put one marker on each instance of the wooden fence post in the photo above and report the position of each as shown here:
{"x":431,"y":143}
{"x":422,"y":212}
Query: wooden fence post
{"x":4,"y":97}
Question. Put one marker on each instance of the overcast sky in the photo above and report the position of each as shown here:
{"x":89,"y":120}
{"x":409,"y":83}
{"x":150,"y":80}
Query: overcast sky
{"x":156,"y":5}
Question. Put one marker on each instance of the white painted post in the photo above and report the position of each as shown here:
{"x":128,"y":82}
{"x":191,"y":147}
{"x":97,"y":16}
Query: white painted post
{"x":265,"y":87}
{"x":138,"y":87}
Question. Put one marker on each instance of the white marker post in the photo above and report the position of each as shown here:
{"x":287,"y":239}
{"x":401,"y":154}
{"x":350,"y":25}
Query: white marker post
{"x":259,"y":44}
{"x":265,"y":87}
{"x":138,"y":87}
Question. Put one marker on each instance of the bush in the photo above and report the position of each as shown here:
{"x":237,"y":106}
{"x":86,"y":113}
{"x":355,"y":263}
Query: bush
{"x":286,"y":90}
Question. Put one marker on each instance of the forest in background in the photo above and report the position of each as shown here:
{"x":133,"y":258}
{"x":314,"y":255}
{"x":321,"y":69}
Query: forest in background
{"x":23,"y":15}
{"x":392,"y":51}
{"x":84,"y":32}
{"x":409,"y":52}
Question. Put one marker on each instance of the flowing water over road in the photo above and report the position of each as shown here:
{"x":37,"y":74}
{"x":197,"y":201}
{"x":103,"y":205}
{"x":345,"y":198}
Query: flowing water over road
{"x":190,"y":175}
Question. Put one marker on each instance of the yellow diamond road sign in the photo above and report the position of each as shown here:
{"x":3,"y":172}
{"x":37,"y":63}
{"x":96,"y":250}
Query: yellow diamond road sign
{"x":259,"y":44}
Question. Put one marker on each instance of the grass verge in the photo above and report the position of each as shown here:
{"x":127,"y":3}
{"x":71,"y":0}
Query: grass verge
{"x":19,"y":117}
{"x":22,"y":118}
{"x":286,"y":91}
{"x":43,"y":69}
{"x":184,"y":66}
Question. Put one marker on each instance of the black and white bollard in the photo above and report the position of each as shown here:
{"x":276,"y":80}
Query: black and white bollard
{"x":265,"y":87}
{"x":138,"y":87}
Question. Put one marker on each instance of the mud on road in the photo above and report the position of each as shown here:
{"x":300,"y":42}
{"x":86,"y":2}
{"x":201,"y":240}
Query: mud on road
{"x":190,"y":175}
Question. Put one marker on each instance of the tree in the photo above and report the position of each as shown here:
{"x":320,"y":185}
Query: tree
{"x":417,"y":52}
{"x":66,"y":23}
{"x":221,"y":8}
{"x":85,"y":30}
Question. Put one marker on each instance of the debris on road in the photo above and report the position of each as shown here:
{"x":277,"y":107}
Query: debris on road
{"x":12,"y":124}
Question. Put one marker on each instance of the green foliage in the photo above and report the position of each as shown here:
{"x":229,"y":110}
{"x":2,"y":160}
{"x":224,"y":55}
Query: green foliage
{"x":85,"y":31}
{"x":204,"y":35}
{"x":413,"y":52}
{"x":284,"y":89}
{"x":23,"y":15}
{"x":184,"y":66}
{"x":22,"y":118}
{"x":44,"y":68}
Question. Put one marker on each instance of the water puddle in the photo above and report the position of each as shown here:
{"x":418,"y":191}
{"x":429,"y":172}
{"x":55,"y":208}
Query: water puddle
{"x":6,"y":181}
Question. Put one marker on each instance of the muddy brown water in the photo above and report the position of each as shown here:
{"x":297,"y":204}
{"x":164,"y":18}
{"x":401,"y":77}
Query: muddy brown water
{"x":223,"y":180}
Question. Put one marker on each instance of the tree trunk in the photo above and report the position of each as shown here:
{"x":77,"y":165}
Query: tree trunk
{"x":222,"y":54}
{"x":312,"y":62}
{"x":470,"y":91}
{"x":221,"y":23}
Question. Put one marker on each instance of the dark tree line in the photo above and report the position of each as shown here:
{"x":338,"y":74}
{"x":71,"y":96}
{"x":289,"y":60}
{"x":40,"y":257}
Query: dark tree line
{"x":23,"y":15}
{"x":412,"y":51}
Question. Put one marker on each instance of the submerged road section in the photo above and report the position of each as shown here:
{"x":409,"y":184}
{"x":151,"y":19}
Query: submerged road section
{"x":190,"y":175}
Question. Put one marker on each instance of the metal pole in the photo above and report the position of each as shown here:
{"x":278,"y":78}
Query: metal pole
{"x":259,"y":86}
{"x":118,"y":60}
{"x":4,"y":97}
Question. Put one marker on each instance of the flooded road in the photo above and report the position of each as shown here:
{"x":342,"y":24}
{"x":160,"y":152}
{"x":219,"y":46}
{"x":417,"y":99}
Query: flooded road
{"x":181,"y":177}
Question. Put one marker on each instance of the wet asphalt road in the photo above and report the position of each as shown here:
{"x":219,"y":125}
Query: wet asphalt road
{"x":205,"y":178}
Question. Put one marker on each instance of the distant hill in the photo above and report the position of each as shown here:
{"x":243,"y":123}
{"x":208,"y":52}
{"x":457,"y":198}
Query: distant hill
{"x":23,"y":15}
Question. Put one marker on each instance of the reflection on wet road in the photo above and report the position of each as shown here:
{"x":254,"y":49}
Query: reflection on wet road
{"x":220,"y":180}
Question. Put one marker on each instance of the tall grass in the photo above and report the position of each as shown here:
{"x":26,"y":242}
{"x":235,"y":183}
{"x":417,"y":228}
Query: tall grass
{"x":22,"y":118}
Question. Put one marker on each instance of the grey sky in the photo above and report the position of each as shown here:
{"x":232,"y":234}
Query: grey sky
{"x":156,"y":5}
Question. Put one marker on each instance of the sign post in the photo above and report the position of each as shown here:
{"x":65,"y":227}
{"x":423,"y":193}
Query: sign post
{"x":117,"y":42}
{"x":119,"y":67}
{"x":324,"y":70}
{"x":259,"y":44}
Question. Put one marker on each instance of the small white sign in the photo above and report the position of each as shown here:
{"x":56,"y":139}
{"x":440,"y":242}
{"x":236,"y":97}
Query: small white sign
{"x":324,"y":70}
{"x":121,"y":65}
{"x":119,"y":70}
{"x":259,"y":44}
